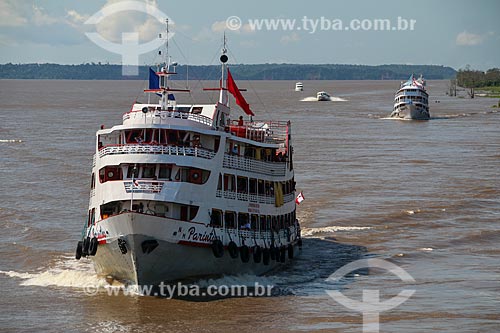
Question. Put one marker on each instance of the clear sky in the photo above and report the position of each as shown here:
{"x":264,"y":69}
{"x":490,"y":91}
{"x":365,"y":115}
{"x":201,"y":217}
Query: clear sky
{"x":446,"y":32}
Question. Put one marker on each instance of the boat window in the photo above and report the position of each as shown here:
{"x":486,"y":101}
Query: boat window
{"x":229,"y":182}
{"x":216,"y":218}
{"x":91,"y":217}
{"x":197,"y":110}
{"x":242,"y":184}
{"x":243,"y":221}
{"x":219,"y":183}
{"x":148,"y":171}
{"x":216,"y":144}
{"x":269,"y":188}
{"x":92,"y":181}
{"x":229,"y":219}
{"x":260,"y":187}
{"x":165,"y":171}
{"x":134,"y":136}
{"x":132,"y":172}
{"x":188,"y":213}
{"x":274,"y":223}
{"x":109,"y":173}
{"x":263,"y":223}
{"x":109,"y":209}
{"x":253,"y":186}
{"x":254,"y":222}
{"x":183,"y":109}
{"x":249,"y":152}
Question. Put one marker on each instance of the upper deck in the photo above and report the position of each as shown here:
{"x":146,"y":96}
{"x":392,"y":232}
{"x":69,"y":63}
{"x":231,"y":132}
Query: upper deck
{"x":201,"y":118}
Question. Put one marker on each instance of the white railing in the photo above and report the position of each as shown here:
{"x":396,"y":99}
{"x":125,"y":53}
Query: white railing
{"x":156,"y":149}
{"x":267,"y":131}
{"x":92,"y":192}
{"x":242,"y":196}
{"x":143,"y":186}
{"x":162,"y":117}
{"x":230,"y":195}
{"x":93,"y":161}
{"x":252,"y":165}
{"x":263,"y":199}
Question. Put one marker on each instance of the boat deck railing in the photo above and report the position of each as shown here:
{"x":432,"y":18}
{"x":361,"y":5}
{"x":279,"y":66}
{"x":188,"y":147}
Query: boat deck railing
{"x":156,"y":149}
{"x":143,"y":186}
{"x":163,"y":117}
{"x":253,"y":165}
{"x":275,"y":132}
{"x":257,"y":198}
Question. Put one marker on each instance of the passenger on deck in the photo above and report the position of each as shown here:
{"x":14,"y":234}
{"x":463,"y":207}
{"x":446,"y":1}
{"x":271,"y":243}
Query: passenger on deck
{"x":240,"y":121}
{"x":246,"y":226}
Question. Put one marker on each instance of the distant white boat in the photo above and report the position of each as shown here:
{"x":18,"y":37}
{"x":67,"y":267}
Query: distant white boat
{"x":299,"y":86}
{"x":411,"y":100}
{"x":323,"y":96}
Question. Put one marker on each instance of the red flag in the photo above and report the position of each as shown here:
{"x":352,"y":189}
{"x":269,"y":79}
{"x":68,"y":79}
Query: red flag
{"x":240,"y":100}
{"x":299,"y":198}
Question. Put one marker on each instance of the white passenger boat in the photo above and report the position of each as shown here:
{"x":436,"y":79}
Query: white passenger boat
{"x":411,"y":100}
{"x":184,"y":191}
{"x":323,"y":96}
{"x":299,"y":86}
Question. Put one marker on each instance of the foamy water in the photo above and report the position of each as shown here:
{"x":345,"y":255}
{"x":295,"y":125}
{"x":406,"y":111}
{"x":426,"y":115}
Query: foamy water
{"x":315,"y":99}
{"x":10,"y":141}
{"x":311,"y":232}
{"x":67,"y":272}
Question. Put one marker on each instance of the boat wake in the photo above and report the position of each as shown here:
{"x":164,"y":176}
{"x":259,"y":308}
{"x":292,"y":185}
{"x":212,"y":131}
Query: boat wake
{"x":320,"y":232}
{"x":442,"y":117}
{"x":67,"y":272}
{"x":315,"y":99}
{"x":10,"y":141}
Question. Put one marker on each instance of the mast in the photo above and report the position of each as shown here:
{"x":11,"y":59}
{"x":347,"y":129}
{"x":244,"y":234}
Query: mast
{"x":223,"y":86}
{"x":161,"y":86}
{"x":164,"y":70}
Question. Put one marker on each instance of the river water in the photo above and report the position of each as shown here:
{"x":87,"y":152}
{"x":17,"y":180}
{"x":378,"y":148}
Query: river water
{"x":424,"y":196}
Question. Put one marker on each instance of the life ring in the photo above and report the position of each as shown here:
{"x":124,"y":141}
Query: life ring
{"x":217,"y":248}
{"x":282,"y":254}
{"x":195,"y":176}
{"x":244,"y":253}
{"x":78,"y":253}
{"x":266,"y":256}
{"x":93,"y":246}
{"x":290,"y":251}
{"x":232,"y":248}
{"x":257,"y":254}
{"x":85,"y":246}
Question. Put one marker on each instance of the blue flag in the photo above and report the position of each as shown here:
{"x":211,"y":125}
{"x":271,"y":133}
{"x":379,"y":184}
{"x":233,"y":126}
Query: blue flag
{"x":154,"y":80}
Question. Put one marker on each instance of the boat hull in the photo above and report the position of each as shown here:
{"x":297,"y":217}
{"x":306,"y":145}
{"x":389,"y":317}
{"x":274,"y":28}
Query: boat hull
{"x":172,"y":259}
{"x":410,"y":112}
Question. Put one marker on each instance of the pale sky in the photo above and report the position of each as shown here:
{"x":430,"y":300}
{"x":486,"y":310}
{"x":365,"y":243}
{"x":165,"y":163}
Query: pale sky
{"x":446,"y":32}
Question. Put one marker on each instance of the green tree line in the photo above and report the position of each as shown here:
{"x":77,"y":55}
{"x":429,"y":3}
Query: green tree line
{"x":469,"y":78}
{"x":98,"y":71}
